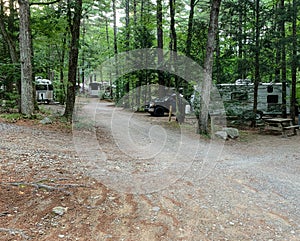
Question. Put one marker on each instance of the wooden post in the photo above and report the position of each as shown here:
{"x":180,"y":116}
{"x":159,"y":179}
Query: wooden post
{"x":170,"y":113}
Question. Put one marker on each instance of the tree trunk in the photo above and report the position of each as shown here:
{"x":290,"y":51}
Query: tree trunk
{"x":257,"y":54}
{"x":283,"y":58}
{"x":27,"y":102}
{"x":7,"y":38}
{"x":173,"y":47}
{"x":278,"y":45}
{"x":208,"y":67}
{"x":159,"y":13}
{"x":116,"y":48}
{"x":83,"y":57}
{"x":160,"y":46}
{"x":62,"y":96}
{"x":190,"y":29}
{"x":241,"y":67}
{"x":134,"y":13}
{"x":11,"y":42}
{"x":74,"y":25}
{"x":108,"y":47}
{"x":127,"y":48}
{"x":294,"y":60}
{"x":218,"y":59}
{"x":173,"y":36}
{"x":127,"y":22}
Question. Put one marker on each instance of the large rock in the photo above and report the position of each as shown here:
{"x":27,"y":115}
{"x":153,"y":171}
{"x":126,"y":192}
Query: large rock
{"x":232,"y":132}
{"x":46,"y":121}
{"x":222,"y":134}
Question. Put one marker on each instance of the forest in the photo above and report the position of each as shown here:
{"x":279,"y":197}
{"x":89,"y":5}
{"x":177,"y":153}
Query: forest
{"x":67,"y":41}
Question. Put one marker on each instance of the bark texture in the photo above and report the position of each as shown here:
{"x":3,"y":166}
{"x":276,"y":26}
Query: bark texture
{"x":27,"y":102}
{"x":208,"y":67}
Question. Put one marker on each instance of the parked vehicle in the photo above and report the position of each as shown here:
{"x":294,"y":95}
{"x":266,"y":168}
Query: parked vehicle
{"x":94,"y":89}
{"x":160,"y":106}
{"x":101,"y":89}
{"x":238,"y":98}
{"x":44,"y":90}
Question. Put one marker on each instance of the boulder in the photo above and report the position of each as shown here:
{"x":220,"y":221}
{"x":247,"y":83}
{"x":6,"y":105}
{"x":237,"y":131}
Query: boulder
{"x":221,"y":134}
{"x":46,"y":121}
{"x":232,"y":132}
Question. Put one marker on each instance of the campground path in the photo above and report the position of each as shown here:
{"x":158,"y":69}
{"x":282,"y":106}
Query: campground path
{"x":134,"y":178}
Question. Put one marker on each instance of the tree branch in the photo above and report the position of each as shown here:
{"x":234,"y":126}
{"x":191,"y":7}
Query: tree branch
{"x":44,"y":3}
{"x":196,"y":2}
{"x":44,"y":186}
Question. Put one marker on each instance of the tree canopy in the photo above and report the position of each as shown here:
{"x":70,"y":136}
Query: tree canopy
{"x":246,"y":28}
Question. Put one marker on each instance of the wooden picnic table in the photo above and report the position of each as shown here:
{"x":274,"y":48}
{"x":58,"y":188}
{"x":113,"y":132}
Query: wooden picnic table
{"x":281,"y":124}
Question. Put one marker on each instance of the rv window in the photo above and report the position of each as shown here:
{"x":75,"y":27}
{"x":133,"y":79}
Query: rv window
{"x":94,"y":86}
{"x":41,"y":87}
{"x":272,"y":99}
{"x":270,"y":88}
{"x":50,"y":87}
{"x":239,"y":96}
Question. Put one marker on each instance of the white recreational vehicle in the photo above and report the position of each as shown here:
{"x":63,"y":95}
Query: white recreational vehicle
{"x":238,"y":98}
{"x":100,"y":89}
{"x":44,"y":90}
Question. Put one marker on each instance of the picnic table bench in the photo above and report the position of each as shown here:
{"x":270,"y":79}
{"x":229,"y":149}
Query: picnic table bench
{"x":281,"y":124}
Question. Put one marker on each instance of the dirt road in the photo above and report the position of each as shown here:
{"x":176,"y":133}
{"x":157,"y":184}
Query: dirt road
{"x":120,"y":175}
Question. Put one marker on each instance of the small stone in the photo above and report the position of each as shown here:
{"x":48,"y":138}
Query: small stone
{"x":59,"y":210}
{"x":231,"y":223}
{"x":61,"y":236}
{"x":156,"y":209}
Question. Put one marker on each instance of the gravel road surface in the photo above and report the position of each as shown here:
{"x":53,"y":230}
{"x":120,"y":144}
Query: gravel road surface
{"x":128,"y":176}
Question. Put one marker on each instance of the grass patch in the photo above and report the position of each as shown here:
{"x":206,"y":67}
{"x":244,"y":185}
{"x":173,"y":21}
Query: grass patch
{"x":58,"y":121}
{"x":11,"y":117}
{"x":44,"y":111}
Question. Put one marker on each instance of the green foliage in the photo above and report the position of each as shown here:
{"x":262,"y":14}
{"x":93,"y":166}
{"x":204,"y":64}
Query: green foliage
{"x":9,"y":75}
{"x":11,"y":117}
{"x":298,"y":93}
{"x":234,"y":59}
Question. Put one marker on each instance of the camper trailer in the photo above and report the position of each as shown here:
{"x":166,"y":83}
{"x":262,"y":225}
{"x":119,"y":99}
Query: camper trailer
{"x":100,"y":89}
{"x":238,"y":98}
{"x":44,"y":90}
{"x":94,"y":89}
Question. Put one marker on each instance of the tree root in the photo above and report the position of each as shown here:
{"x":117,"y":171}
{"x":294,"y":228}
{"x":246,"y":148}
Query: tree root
{"x":37,"y":185}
